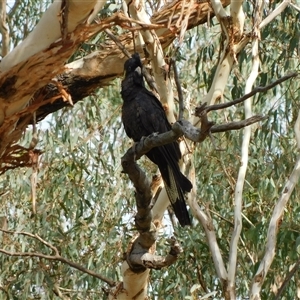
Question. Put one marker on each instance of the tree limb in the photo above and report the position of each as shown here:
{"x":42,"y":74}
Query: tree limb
{"x":237,"y":125}
{"x":56,"y":257}
{"x":4,"y":29}
{"x":179,"y":89}
{"x":259,"y":89}
{"x":273,"y":230}
{"x":140,"y":255}
{"x":206,"y":221}
{"x":80,"y":78}
{"x":239,"y":187}
{"x":287,"y":279}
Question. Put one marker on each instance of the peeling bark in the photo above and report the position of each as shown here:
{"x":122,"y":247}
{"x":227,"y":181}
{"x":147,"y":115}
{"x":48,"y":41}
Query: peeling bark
{"x":22,"y":95}
{"x":48,"y":30}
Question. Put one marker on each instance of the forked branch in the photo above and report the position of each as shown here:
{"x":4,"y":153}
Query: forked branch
{"x":259,"y":89}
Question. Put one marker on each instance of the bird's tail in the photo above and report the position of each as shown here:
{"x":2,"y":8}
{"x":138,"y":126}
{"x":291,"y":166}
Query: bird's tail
{"x":175,"y":191}
{"x":185,"y":184}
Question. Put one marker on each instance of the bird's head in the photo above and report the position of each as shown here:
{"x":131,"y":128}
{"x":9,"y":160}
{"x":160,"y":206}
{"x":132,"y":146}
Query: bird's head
{"x":133,"y":63}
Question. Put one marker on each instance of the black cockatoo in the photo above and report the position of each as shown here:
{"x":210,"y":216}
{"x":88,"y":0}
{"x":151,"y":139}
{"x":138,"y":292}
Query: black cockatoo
{"x":142,"y":115}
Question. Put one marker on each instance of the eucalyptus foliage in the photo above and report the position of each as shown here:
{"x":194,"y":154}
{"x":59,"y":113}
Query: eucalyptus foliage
{"x":85,"y":205}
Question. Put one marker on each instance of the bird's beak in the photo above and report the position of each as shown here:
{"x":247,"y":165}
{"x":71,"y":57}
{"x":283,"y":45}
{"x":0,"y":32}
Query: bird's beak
{"x":138,"y":70}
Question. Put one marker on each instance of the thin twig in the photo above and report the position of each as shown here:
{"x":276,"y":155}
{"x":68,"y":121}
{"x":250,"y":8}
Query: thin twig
{"x":12,"y":12}
{"x":117,"y":42}
{"x":58,"y":293}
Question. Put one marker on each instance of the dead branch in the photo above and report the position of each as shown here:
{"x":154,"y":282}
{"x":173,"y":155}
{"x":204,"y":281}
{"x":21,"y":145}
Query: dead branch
{"x":260,"y":89}
{"x":237,"y":125}
{"x":55,"y":257}
{"x":199,"y":134}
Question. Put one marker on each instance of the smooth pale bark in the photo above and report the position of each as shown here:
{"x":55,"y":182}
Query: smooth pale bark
{"x":48,"y":30}
{"x":238,"y":193}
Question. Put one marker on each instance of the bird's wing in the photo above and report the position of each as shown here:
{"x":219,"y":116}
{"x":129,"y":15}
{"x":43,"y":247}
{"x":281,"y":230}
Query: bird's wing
{"x":151,"y":113}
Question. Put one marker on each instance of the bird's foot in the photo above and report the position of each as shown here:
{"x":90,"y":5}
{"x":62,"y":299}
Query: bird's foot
{"x":154,"y":134}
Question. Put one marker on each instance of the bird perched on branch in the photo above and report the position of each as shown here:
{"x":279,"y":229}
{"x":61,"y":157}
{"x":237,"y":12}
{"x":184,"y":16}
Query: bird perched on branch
{"x":142,"y":115}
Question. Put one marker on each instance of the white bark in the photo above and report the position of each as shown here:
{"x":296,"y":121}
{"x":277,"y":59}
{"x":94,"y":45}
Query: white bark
{"x":297,"y":130}
{"x":160,"y":205}
{"x":279,"y":9}
{"x":273,"y":230}
{"x":238,"y":17}
{"x":207,"y":224}
{"x":216,"y":90}
{"x":238,"y":195}
{"x":134,"y":286}
{"x":276,"y":218}
{"x":48,"y":30}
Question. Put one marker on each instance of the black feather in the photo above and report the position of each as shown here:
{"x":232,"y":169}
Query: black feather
{"x":142,"y":115}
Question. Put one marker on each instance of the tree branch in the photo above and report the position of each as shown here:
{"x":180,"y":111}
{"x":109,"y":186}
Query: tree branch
{"x":237,"y":125}
{"x":140,"y":255}
{"x":199,"y":134}
{"x":287,"y":279}
{"x":4,"y":29}
{"x":277,"y":11}
{"x":274,"y":227}
{"x":260,"y":89}
{"x":238,"y":192}
{"x":179,"y":89}
{"x":154,"y":50}
{"x":80,"y":78}
{"x":207,"y":223}
{"x":56,"y":257}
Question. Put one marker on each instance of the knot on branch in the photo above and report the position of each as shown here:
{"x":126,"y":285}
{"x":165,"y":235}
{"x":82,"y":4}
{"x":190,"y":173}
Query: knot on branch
{"x":139,"y":260}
